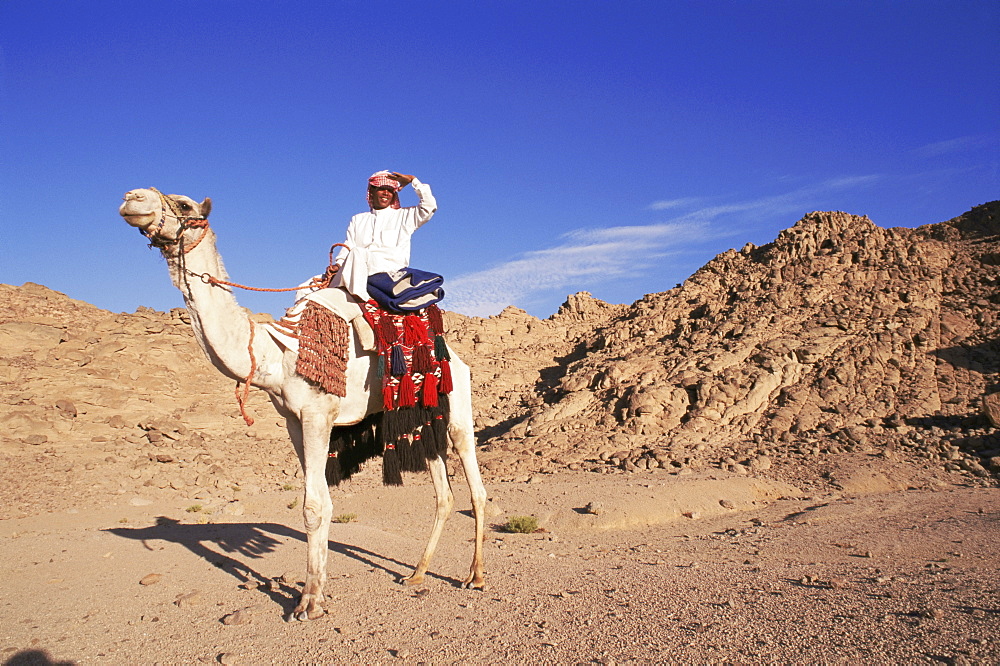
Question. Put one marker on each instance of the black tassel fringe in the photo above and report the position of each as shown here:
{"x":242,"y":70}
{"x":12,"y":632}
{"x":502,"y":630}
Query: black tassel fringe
{"x":405,"y":438}
{"x":352,"y":446}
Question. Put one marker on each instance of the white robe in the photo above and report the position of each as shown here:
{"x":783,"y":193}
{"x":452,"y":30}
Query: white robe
{"x":379,"y":241}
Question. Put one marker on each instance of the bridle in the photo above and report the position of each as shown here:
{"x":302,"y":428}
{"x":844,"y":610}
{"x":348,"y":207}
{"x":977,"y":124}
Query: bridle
{"x":184,"y":222}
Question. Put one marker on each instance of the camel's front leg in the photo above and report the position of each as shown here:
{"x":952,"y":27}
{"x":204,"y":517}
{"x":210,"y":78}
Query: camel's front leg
{"x":313,"y":446}
{"x":445,"y":503}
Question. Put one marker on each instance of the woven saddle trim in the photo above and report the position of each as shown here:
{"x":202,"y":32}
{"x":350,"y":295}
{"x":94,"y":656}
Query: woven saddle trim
{"x":324,"y":338}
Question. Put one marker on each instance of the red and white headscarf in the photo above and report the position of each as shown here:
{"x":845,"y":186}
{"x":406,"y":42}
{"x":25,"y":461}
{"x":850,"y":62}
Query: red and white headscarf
{"x":384,"y":179}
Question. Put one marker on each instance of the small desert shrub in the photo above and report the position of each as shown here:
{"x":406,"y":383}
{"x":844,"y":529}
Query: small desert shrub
{"x":520,"y":524}
{"x":345,"y":518}
{"x":294,"y":503}
{"x":288,"y":486}
{"x":194,"y":508}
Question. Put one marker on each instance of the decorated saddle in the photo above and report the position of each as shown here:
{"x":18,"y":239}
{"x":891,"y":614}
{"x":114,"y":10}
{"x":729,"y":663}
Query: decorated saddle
{"x":415,"y":373}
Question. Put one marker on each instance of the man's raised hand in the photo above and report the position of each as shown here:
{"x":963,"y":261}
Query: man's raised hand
{"x":401,"y":178}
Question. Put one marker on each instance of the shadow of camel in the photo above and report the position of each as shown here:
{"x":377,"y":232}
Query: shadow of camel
{"x":35,"y":658}
{"x":216,"y":543}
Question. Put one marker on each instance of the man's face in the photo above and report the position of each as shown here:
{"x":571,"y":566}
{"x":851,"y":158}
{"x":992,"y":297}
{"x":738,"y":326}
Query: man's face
{"x":381,"y":197}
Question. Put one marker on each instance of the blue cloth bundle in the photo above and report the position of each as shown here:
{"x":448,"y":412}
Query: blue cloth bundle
{"x":406,"y":290}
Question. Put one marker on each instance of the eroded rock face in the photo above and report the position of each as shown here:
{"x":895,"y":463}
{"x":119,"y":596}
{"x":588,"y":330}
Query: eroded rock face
{"x":839,"y":337}
{"x":991,"y":409}
{"x":517,"y":358}
{"x":104,"y":403}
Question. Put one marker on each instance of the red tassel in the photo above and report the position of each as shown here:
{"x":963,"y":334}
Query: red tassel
{"x":387,"y":330}
{"x":414,"y":331}
{"x":446,"y":385}
{"x":387,"y":397}
{"x":422,"y":361}
{"x":430,"y":390}
{"x":407,"y":396}
{"x":434,"y":319}
{"x":373,"y":322}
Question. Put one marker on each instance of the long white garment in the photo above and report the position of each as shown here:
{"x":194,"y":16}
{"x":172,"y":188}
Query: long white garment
{"x":379,"y":241}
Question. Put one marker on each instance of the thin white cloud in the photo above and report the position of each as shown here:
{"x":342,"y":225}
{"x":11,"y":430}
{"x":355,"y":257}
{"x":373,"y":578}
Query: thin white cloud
{"x":960,"y":144}
{"x":790,"y":202}
{"x":667,"y":204}
{"x":588,"y":257}
{"x":846,"y":182}
{"x":636,"y":232}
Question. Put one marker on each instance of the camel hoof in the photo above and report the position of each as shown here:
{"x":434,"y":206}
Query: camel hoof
{"x":410,"y":581}
{"x":474,"y":585}
{"x":309,"y":608}
{"x":306,"y":616}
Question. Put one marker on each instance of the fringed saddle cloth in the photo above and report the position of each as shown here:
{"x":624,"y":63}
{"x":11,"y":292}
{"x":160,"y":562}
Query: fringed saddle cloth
{"x":413,"y":359}
{"x":316,"y":328}
{"x":414,"y":366}
{"x":323,"y":344}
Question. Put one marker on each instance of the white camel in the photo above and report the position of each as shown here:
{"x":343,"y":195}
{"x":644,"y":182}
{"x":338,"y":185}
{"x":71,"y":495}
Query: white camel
{"x":224,"y":332}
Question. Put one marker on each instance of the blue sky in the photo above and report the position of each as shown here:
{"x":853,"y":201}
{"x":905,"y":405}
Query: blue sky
{"x":612,"y":147}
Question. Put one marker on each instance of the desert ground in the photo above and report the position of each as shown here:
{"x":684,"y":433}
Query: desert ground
{"x":654,"y":568}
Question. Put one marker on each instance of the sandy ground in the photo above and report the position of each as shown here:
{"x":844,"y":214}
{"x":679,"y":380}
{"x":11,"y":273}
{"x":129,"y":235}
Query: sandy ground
{"x":671,"y":569}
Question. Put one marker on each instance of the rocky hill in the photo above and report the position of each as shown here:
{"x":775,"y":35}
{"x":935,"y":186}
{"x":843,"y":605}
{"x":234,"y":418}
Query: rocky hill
{"x":839,"y":341}
{"x":839,"y":336}
{"x":97,"y":403}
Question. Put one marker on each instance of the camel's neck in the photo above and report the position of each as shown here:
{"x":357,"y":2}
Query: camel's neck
{"x":220,"y":325}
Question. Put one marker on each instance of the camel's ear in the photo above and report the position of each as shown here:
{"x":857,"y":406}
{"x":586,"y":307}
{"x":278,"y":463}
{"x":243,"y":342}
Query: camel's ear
{"x":206,"y":207}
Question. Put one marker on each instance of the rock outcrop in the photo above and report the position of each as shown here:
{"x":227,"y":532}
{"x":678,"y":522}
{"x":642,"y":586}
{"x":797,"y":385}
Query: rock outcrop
{"x":838,"y":339}
{"x":100,"y":402}
{"x":838,"y":336}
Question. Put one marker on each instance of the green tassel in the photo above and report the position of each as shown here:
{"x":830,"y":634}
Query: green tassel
{"x":441,"y":349}
{"x":380,"y":367}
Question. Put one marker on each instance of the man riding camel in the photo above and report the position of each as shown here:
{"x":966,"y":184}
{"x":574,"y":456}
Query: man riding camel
{"x":379,"y":241}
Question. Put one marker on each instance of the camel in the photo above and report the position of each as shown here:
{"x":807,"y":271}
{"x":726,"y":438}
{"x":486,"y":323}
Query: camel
{"x":178,"y":226}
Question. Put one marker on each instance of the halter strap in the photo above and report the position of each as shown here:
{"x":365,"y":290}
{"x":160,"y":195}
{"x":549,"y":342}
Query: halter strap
{"x":183,"y":223}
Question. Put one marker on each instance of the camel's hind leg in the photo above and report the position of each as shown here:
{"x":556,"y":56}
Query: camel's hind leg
{"x":311,"y":441}
{"x":445,"y":503}
{"x":465,"y":446}
{"x":461,"y":433}
{"x":461,"y":436}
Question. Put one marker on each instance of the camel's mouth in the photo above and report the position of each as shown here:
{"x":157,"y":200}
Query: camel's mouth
{"x":137,"y":217}
{"x":141,"y":208}
{"x":140,"y":220}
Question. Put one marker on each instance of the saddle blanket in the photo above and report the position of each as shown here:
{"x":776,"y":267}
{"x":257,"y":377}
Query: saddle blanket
{"x":338,"y":301}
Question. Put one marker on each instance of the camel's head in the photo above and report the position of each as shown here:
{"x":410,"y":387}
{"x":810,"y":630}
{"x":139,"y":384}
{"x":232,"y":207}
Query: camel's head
{"x":162,"y":218}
